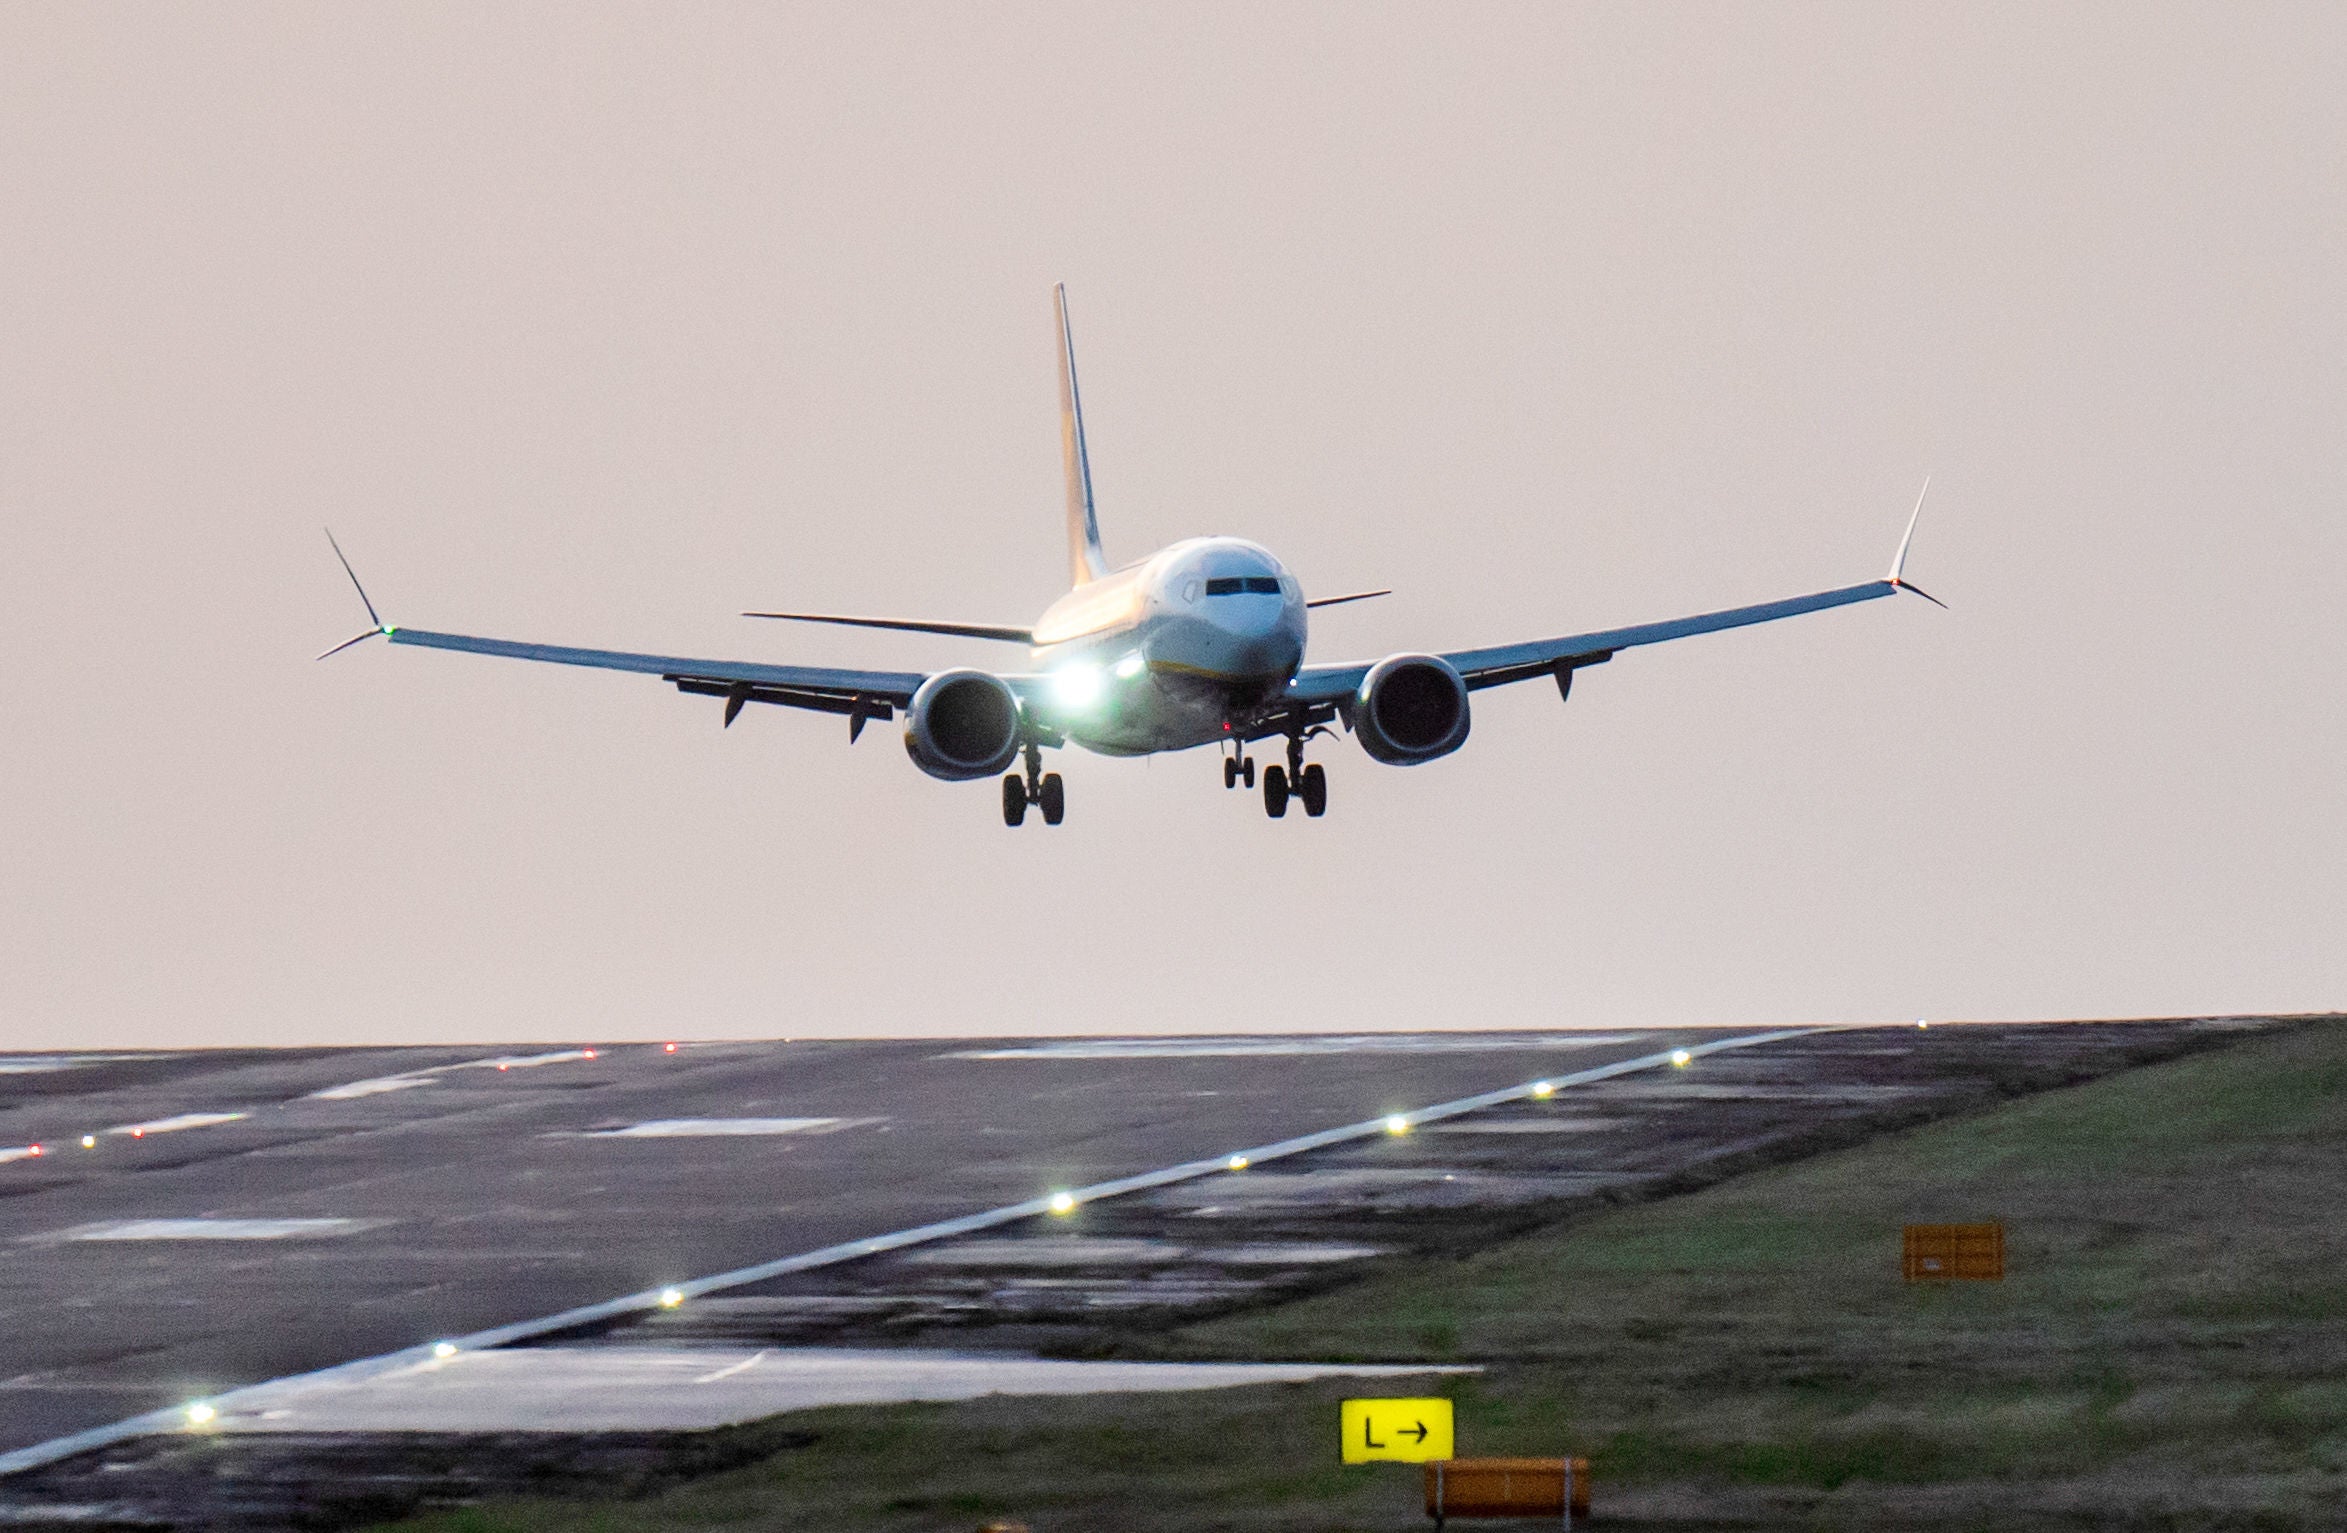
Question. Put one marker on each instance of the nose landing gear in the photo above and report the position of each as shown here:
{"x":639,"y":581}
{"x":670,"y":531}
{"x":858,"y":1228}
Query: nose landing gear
{"x":1038,"y":787}
{"x":1238,"y":769}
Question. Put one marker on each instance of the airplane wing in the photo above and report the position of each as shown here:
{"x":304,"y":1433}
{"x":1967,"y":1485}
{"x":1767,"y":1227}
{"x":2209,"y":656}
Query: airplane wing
{"x":861,"y":695}
{"x":1326,"y":687}
{"x":1500,"y":664}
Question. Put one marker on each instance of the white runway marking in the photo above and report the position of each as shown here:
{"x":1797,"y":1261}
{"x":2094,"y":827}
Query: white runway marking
{"x":1532,"y":1126}
{"x":185,"y":1120}
{"x":1330,"y":1043}
{"x":43,"y":1064}
{"x":590,"y":1389}
{"x":214,"y":1229}
{"x":413,"y":1078}
{"x":690,"y":1128}
{"x":730,"y":1369}
{"x":373,"y":1088}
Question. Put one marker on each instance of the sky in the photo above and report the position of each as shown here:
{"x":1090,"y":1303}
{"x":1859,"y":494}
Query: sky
{"x":592,"y":323}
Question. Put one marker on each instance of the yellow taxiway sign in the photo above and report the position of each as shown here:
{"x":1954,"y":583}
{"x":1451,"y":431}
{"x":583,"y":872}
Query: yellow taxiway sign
{"x":1412,"y":1431}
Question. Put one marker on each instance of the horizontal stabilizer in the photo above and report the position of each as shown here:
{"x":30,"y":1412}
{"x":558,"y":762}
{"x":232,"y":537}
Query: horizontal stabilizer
{"x":999,"y":631}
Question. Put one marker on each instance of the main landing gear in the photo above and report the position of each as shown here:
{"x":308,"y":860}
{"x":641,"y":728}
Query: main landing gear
{"x":1038,"y":787}
{"x":1296,"y":780}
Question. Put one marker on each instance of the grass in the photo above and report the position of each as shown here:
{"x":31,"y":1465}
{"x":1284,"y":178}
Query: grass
{"x":2170,"y":1350}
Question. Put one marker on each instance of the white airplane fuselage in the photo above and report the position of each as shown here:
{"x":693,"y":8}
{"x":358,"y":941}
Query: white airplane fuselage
{"x":1174,"y":651}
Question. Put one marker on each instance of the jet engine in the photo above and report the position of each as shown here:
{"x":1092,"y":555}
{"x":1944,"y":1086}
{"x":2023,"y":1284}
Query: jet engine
{"x":1411,"y":708}
{"x":962,"y":725}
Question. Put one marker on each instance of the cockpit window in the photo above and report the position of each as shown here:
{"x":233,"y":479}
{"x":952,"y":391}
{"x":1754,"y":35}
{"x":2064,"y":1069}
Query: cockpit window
{"x":1263,"y":585}
{"x":1225,"y":585}
{"x":1233,"y":585}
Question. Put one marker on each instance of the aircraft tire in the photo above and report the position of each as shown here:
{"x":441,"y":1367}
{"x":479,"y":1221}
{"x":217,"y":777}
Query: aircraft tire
{"x":1275,"y":791}
{"x":1247,"y":771}
{"x":1230,"y":772}
{"x":1313,"y":790}
{"x":1055,"y":798}
{"x":1014,"y":800}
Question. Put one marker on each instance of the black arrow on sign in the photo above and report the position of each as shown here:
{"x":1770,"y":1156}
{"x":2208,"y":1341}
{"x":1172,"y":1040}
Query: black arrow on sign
{"x":1420,"y":1434}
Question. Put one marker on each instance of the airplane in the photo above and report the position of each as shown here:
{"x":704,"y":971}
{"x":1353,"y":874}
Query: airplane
{"x":1201,"y":643}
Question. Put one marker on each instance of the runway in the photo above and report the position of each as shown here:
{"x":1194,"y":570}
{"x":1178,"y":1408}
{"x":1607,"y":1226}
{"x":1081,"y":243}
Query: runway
{"x":238,"y":1217}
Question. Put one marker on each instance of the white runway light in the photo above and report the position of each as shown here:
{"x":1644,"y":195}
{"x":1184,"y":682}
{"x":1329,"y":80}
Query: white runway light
{"x":1063,"y":1202}
{"x":200,"y":1414}
{"x":1680,"y":1058}
{"x":670,"y":1298}
{"x":1543,"y":1090}
{"x":1397,"y":1124}
{"x":1238,"y":1162}
{"x":444,"y":1349}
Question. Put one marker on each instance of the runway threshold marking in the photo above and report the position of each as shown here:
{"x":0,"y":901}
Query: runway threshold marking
{"x":177,"y":1418}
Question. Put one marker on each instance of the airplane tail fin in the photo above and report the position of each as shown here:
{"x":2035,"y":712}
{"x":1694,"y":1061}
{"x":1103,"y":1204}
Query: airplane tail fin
{"x":1085,"y":561}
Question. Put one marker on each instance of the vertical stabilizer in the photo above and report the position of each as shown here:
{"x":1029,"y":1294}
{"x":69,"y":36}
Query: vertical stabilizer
{"x":1084,"y":558}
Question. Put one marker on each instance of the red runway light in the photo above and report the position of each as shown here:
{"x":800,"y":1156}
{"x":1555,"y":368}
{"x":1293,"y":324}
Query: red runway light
{"x":668,"y":1048}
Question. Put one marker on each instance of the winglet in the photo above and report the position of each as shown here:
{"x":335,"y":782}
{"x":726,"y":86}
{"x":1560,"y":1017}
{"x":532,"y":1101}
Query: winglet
{"x":1898,"y":574}
{"x":1085,"y":561}
{"x":381,"y":627}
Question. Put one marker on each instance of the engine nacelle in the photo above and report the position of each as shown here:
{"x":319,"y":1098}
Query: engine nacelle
{"x":962,"y":725}
{"x":1411,"y":708}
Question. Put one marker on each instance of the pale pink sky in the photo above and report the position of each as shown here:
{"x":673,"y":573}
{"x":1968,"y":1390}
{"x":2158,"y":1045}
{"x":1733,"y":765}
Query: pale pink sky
{"x":597,"y":324}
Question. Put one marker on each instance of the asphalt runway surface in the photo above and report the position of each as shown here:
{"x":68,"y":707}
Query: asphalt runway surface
{"x":241,"y":1216}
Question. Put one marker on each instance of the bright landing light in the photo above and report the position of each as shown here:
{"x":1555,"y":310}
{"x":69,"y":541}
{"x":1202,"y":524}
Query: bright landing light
{"x":1077,"y":684}
{"x":1544,"y":1089}
{"x":1238,"y":1162}
{"x":444,"y":1349}
{"x":1397,"y":1124}
{"x":1063,"y":1202}
{"x":1131,"y":666}
{"x":670,"y":1298}
{"x":1680,"y":1058}
{"x":200,"y":1414}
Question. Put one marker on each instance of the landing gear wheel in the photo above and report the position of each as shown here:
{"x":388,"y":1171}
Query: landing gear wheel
{"x":1275,"y":791}
{"x":1014,"y":800}
{"x":1230,"y":772}
{"x":1313,"y":790}
{"x":1055,"y":798}
{"x":1247,"y":771}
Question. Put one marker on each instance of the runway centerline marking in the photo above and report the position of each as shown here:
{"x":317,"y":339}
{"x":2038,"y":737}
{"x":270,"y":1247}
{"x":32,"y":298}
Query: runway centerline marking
{"x":175,"y":1419}
{"x":694,"y":1128}
{"x":1302,"y":1044}
{"x":210,"y":1229}
{"x":185,"y":1120}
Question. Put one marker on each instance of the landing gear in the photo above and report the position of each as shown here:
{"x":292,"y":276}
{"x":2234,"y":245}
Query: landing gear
{"x":1043,"y":789}
{"x":1238,"y":769}
{"x":1308,"y":783}
{"x":1275,"y":791}
{"x":1313,"y":790}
